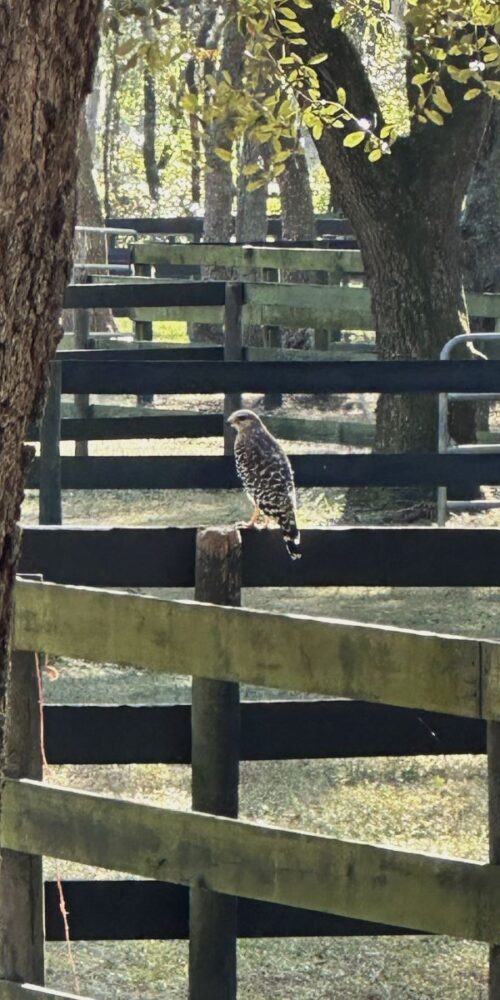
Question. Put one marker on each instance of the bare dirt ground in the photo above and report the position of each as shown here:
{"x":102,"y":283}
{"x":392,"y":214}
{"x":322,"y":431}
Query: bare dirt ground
{"x":435,"y":804}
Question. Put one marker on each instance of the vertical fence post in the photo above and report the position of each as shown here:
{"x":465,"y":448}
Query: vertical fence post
{"x":50,"y":502}
{"x":21,"y":879}
{"x":233,"y":350}
{"x":272,"y":338}
{"x":82,"y":331}
{"x":215,"y":724}
{"x":143,"y":329}
{"x":493,"y":749}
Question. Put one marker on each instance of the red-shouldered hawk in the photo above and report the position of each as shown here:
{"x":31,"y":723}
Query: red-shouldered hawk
{"x":266,"y":474}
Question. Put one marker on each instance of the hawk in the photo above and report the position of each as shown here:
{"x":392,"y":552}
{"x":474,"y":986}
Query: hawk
{"x":266,"y":474}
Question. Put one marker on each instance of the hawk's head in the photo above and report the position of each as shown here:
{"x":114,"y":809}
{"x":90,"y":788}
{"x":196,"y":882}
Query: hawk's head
{"x":244,"y":421}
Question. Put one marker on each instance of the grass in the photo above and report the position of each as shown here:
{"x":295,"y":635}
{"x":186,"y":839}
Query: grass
{"x":170,"y":330}
{"x":436,"y":804}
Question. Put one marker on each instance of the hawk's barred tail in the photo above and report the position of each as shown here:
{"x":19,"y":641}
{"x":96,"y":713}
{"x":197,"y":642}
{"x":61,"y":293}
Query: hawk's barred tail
{"x":292,"y":542}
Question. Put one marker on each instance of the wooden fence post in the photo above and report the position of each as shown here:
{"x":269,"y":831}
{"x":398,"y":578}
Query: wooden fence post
{"x":493,"y":750}
{"x":233,"y":351}
{"x":82,"y":330}
{"x":215,"y":753}
{"x":50,"y":502}
{"x":21,"y":878}
{"x":143,"y":330}
{"x":272,"y":338}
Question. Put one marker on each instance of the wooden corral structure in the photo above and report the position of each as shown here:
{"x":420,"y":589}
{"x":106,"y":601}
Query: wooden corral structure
{"x":243,"y":879}
{"x":232,"y":372}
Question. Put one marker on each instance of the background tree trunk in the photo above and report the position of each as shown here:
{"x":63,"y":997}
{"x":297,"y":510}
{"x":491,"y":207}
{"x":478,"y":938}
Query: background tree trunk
{"x":46,"y":65}
{"x":251,"y":221}
{"x":90,"y":246}
{"x":219,"y":190}
{"x":297,"y":215}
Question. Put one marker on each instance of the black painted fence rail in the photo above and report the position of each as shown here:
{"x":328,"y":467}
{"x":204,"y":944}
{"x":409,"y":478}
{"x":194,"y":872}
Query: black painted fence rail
{"x":332,"y":557}
{"x":138,"y":910}
{"x":97,"y":375}
{"x":270,"y":730}
{"x":217,"y":472}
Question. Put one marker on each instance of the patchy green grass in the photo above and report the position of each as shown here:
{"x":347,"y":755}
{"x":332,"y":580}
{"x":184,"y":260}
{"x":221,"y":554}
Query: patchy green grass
{"x":171,"y":330}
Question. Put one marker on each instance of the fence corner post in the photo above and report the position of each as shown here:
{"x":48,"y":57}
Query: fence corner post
{"x":21,"y":878}
{"x":215,"y":754}
{"x":493,"y":750}
{"x":143,"y":329}
{"x":233,"y":350}
{"x":82,"y":343}
{"x":50,"y":501}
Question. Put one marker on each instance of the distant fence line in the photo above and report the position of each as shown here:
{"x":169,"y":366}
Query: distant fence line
{"x":83,"y":372}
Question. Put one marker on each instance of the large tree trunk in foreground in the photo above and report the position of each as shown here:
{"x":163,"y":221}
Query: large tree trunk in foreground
{"x":46,"y":64}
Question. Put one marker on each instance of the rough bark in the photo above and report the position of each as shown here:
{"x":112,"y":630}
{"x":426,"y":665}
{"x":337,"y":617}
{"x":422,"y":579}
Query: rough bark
{"x":251,"y":221}
{"x":405,"y":211}
{"x":46,"y":64}
{"x":219,"y":190}
{"x":297,"y":215}
{"x":481,"y":219}
{"x":111,"y":125}
{"x":149,"y":142}
{"x":90,"y":246}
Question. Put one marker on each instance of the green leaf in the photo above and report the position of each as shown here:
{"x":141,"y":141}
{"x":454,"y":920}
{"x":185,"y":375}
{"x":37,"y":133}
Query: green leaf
{"x":420,"y":78}
{"x":317,"y":130}
{"x":354,"y":139}
{"x":376,"y":154}
{"x":441,"y":101}
{"x":434,"y":116}
{"x":318,"y":59}
{"x":223,"y":154}
{"x":341,"y":95}
{"x":293,"y":26}
{"x":472,"y":93}
{"x":254,"y":185}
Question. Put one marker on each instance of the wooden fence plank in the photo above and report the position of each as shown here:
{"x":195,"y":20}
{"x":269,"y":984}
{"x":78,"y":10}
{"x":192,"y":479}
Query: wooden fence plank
{"x":270,"y":730}
{"x":134,"y":910}
{"x":126,"y":295}
{"x":218,"y":472}
{"x":291,"y":653}
{"x":26,"y":991}
{"x":332,"y":557}
{"x":336,"y":262}
{"x":233,"y":351}
{"x":120,"y":424}
{"x":438,"y":895}
{"x":193,"y":225}
{"x":97,"y":375}
{"x":50,"y":501}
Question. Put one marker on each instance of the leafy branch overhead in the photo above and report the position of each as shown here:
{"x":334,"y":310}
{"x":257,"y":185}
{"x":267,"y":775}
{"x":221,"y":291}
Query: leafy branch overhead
{"x":436,"y":55}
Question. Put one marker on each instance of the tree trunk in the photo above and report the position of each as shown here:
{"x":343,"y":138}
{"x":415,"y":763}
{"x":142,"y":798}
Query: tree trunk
{"x":218,"y":220}
{"x":46,"y":65}
{"x":405,"y":212}
{"x":149,"y":143}
{"x":90,"y":246}
{"x":111,"y":126}
{"x":251,"y":221}
{"x":297,"y":215}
